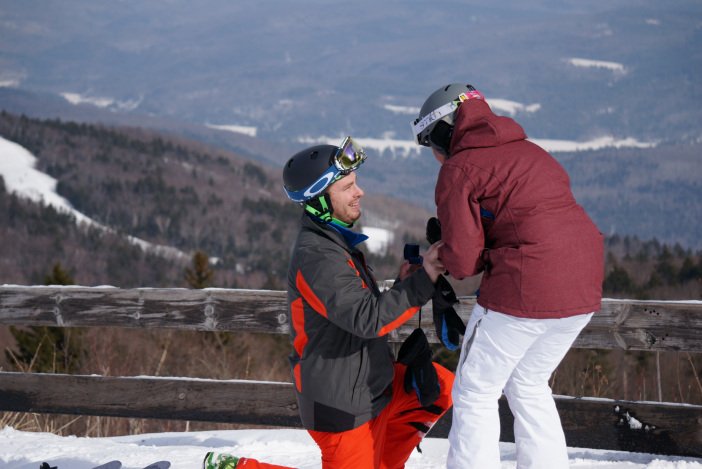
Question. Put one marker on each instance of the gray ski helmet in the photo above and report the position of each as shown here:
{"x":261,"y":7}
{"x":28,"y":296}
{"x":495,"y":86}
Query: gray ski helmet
{"x":437,"y":133}
{"x":304,"y":169}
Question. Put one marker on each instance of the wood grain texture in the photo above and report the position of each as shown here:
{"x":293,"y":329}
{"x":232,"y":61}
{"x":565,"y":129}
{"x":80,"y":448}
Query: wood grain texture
{"x":659,"y":428}
{"x":624,"y":324}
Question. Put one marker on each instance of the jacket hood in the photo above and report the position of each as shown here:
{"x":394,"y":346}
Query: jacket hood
{"x":478,"y":127}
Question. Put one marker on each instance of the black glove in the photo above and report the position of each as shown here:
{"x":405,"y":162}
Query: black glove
{"x":433,"y":230}
{"x":420,"y":374}
{"x":449,"y":326}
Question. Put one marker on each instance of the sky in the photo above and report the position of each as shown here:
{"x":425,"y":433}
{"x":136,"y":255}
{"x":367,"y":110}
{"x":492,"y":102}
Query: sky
{"x":292,"y":448}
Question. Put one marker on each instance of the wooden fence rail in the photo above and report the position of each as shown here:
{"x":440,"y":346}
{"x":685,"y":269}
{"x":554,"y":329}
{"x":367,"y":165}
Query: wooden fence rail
{"x":663,"y":428}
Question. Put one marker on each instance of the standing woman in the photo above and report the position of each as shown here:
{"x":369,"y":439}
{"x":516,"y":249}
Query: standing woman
{"x":506,"y":210}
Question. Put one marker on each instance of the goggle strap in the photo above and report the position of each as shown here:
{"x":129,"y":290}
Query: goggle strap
{"x":324,"y":212}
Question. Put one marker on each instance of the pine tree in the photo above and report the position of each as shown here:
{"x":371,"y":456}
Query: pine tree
{"x":200,"y":275}
{"x":48,"y":349}
{"x":58,"y":276}
{"x":618,"y":281}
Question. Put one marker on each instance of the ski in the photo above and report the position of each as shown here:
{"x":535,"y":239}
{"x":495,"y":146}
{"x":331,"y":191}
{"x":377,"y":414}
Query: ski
{"x":159,"y":465}
{"x":118,"y":465}
{"x":110,"y":465}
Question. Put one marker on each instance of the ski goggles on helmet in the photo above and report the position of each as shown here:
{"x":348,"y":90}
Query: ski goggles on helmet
{"x":422,"y":127}
{"x":347,"y":158}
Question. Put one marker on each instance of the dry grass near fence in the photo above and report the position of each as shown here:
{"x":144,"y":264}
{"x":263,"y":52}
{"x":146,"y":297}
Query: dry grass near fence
{"x":638,"y":376}
{"x":616,"y":374}
{"x":138,"y":352}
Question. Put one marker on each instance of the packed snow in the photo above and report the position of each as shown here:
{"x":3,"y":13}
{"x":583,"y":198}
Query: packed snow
{"x":292,"y":448}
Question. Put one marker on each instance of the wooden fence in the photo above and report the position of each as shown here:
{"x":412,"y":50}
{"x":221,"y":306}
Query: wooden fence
{"x":654,"y":427}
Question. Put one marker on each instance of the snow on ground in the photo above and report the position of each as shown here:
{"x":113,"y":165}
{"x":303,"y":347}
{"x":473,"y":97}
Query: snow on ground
{"x":556,"y":146}
{"x":238,"y":129}
{"x":405,"y":110}
{"x":406,"y":148}
{"x":589,"y":63}
{"x":9,"y":82}
{"x":498,"y":105}
{"x":101,"y":102}
{"x":506,"y":106}
{"x":75,"y":99}
{"x":17,"y":168}
{"x":403,"y":148}
{"x":378,"y":239}
{"x":292,"y":448}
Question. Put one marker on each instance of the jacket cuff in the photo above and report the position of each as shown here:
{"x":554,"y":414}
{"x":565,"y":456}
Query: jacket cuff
{"x":423,"y":285}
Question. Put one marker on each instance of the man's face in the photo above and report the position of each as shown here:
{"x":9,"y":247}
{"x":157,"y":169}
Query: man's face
{"x":346,"y":198}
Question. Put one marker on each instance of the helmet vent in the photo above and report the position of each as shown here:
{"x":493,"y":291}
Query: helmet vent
{"x":314,"y":155}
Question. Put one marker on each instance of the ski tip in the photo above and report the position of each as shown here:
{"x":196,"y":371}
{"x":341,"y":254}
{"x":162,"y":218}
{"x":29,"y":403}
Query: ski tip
{"x":159,"y":465}
{"x":110,"y":465}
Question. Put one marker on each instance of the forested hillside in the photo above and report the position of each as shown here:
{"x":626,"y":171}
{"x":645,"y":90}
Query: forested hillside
{"x":184,"y":194}
{"x":164,"y":190}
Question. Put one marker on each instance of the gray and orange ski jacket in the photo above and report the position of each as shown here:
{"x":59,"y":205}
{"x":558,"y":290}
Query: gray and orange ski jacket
{"x":341,"y":362}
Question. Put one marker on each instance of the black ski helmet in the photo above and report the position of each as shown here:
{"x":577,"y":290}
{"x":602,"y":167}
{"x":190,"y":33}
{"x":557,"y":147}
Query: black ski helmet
{"x":309,"y":172}
{"x":303,"y":170}
{"x":434,"y":129}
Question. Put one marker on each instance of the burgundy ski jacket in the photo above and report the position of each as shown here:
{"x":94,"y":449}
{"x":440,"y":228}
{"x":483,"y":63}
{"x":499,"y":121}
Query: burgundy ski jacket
{"x":506,"y":210}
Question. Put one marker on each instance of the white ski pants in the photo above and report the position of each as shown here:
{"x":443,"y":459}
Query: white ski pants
{"x":515,"y":355}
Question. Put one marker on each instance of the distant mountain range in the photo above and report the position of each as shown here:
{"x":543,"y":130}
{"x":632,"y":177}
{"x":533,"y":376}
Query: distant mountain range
{"x":264,"y":79}
{"x":572,"y":70}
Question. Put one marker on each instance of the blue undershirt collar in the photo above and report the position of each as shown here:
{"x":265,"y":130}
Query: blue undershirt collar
{"x":352,"y":238}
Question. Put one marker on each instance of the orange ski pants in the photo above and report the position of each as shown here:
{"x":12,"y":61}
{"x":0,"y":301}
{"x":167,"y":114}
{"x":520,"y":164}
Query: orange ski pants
{"x":387,"y":441}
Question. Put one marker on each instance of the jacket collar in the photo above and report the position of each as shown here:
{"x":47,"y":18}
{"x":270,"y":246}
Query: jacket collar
{"x":351,"y":237}
{"x":343,"y":236}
